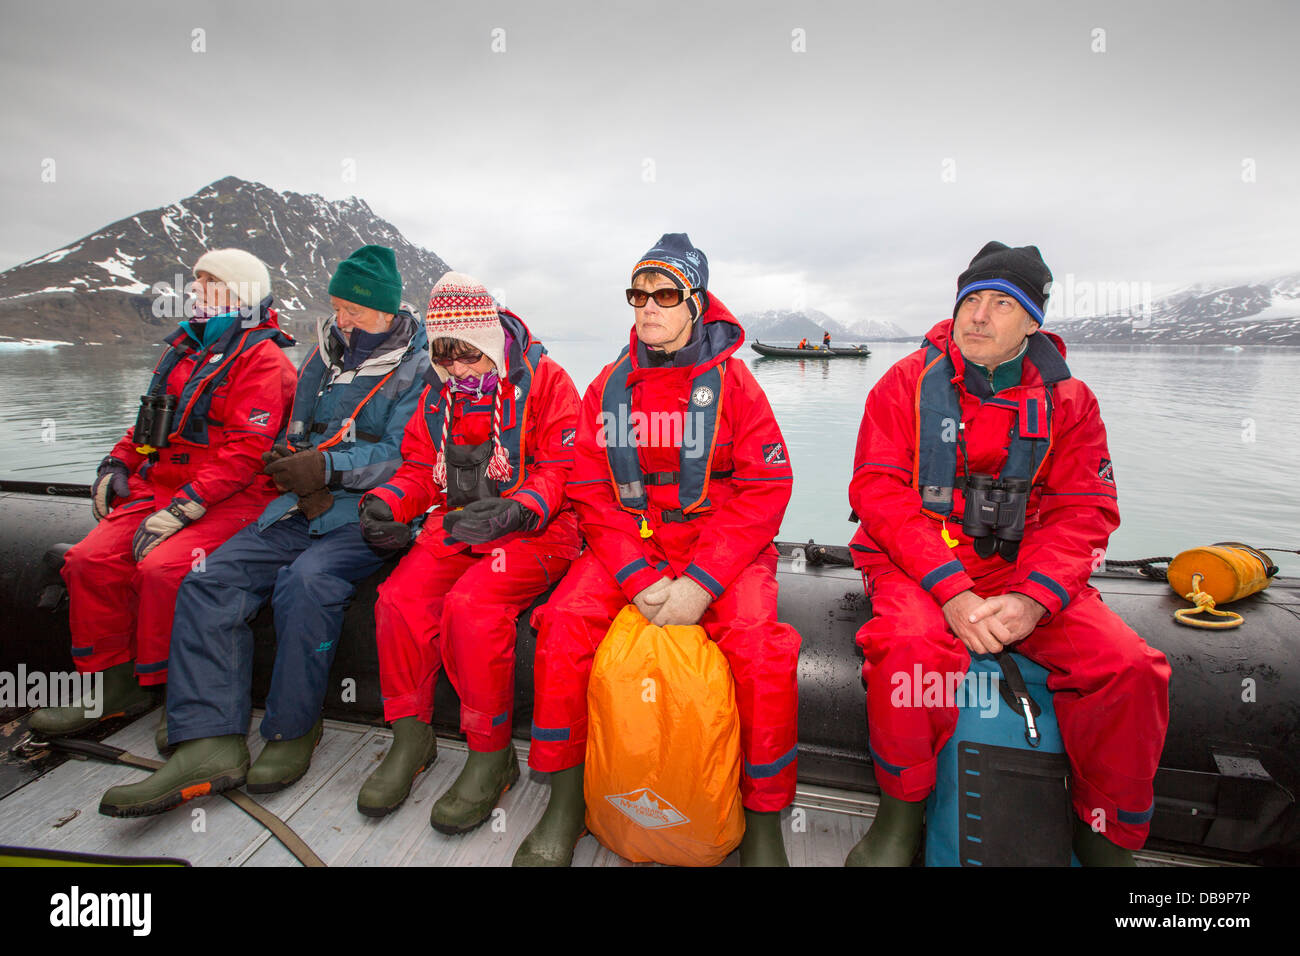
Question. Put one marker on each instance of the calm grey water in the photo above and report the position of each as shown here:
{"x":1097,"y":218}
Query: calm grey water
{"x":1205,"y":441}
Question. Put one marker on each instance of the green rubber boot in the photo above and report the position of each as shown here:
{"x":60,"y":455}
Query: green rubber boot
{"x":1093,"y":849}
{"x":283,"y":762}
{"x":470,"y":800}
{"x":160,"y":734}
{"x":206,"y":765}
{"x":893,"y":837}
{"x":552,"y":841}
{"x":414,"y":749}
{"x":763,"y":844}
{"x":122,"y":697}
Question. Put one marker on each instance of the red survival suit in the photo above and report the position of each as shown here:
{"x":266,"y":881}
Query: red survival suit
{"x":233,"y":399}
{"x":1111,"y":689}
{"x":457,"y":604}
{"x":721,"y":539}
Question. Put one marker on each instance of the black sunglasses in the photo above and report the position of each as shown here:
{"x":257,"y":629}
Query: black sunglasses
{"x":664,"y":298}
{"x":465,"y":358}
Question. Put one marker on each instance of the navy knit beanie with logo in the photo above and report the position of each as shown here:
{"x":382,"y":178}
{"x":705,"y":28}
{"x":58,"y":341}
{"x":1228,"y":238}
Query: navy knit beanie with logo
{"x":688,"y":267}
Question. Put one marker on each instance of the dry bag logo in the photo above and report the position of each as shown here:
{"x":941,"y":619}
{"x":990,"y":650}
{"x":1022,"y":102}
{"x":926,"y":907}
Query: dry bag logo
{"x":567,"y":436}
{"x":259,"y":417}
{"x":774,"y":454}
{"x":1106,"y":472}
{"x":647,"y":808}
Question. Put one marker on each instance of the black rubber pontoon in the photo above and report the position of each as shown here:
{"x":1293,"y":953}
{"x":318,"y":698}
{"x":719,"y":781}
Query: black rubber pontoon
{"x":1228,"y":776}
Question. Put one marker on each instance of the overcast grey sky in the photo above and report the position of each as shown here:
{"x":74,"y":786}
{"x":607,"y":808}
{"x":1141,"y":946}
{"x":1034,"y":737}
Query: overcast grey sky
{"x":857,"y":176}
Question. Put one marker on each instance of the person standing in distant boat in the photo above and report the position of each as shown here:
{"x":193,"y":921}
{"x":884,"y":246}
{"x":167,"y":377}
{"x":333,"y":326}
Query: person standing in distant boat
{"x":826,"y":340}
{"x":185,"y":478}
{"x":996,"y":402}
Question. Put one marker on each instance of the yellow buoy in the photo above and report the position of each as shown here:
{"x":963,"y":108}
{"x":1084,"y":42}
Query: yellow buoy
{"x":1218,"y":574}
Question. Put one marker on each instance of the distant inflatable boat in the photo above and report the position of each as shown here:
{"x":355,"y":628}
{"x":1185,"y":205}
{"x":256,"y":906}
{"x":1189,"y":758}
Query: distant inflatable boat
{"x":776,"y":351}
{"x":1228,"y":779}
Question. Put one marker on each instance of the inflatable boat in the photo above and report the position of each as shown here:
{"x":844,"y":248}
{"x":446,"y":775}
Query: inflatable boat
{"x":819,"y":352}
{"x":1228,"y":778}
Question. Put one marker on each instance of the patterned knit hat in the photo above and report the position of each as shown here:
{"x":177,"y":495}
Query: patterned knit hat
{"x":674,"y":256}
{"x":460,"y":307}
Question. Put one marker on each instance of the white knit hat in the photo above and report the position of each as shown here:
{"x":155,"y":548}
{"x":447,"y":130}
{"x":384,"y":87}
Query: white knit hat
{"x":460,"y":307}
{"x":243,"y":273}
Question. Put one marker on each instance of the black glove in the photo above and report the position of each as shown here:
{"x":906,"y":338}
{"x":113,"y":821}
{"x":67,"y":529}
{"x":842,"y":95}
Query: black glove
{"x":110,"y":484}
{"x":378,"y":526}
{"x":488,"y":519}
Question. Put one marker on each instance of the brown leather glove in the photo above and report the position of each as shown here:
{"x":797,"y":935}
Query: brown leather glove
{"x":276,"y":453}
{"x":302,"y":472}
{"x":315,"y":504}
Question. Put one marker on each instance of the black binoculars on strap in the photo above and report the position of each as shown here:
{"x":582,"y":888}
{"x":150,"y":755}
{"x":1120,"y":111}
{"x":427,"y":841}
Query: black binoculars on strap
{"x":154,"y":422}
{"x":995,"y":514}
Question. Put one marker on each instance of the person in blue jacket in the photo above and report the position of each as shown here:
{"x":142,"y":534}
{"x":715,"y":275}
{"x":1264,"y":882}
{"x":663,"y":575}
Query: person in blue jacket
{"x":355,"y":393}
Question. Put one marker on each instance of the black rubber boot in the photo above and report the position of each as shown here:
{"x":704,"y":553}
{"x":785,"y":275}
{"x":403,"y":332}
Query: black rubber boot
{"x":206,"y":765}
{"x":122,"y":697}
{"x":414,"y":749}
{"x":894,"y":835}
{"x":470,"y":800}
{"x":1093,"y":849}
{"x":552,"y":841}
{"x":763,"y":844}
{"x":283,"y":762}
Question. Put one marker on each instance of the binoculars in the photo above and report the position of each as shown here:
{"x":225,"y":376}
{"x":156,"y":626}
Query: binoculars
{"x":995,"y":514}
{"x":154,"y":422}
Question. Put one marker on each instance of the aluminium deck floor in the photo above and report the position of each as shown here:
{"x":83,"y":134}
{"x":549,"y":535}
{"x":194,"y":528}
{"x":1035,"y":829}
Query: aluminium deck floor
{"x":60,"y":811}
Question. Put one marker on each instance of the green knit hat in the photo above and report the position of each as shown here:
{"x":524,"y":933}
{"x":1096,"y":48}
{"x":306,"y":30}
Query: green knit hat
{"x":369,"y":277}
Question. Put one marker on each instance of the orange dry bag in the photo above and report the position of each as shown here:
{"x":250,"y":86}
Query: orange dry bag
{"x":662,"y":779}
{"x":1222,"y":573}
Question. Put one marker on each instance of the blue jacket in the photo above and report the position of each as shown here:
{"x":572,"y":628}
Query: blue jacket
{"x":327,"y":396}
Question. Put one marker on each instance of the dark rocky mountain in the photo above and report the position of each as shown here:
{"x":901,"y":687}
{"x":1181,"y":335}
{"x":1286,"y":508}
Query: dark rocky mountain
{"x":778,"y":327}
{"x":1265,"y":313}
{"x":111,"y":286}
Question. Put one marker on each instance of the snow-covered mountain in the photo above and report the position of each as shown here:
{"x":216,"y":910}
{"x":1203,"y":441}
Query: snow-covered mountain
{"x":101,"y":288}
{"x":779,"y":326}
{"x":1262,"y":313}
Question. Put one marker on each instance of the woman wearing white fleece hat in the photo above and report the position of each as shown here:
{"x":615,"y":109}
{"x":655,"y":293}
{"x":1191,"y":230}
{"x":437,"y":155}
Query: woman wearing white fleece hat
{"x":185,"y":478}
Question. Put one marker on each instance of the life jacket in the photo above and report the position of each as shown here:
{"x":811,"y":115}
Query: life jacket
{"x":514,"y":407}
{"x":938,"y":427}
{"x":303,"y":424}
{"x":191,"y":421}
{"x":619,"y":436}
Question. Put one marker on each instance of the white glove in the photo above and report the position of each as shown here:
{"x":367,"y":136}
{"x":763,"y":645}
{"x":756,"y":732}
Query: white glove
{"x":652,"y":598}
{"x":161,"y":525}
{"x":686,"y":604}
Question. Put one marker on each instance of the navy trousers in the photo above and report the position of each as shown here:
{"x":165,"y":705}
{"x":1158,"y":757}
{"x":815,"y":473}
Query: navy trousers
{"x":310,"y":582}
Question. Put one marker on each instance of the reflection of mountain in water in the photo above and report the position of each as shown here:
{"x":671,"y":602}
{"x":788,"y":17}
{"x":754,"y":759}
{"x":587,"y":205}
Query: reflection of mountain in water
{"x":101,"y":288}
